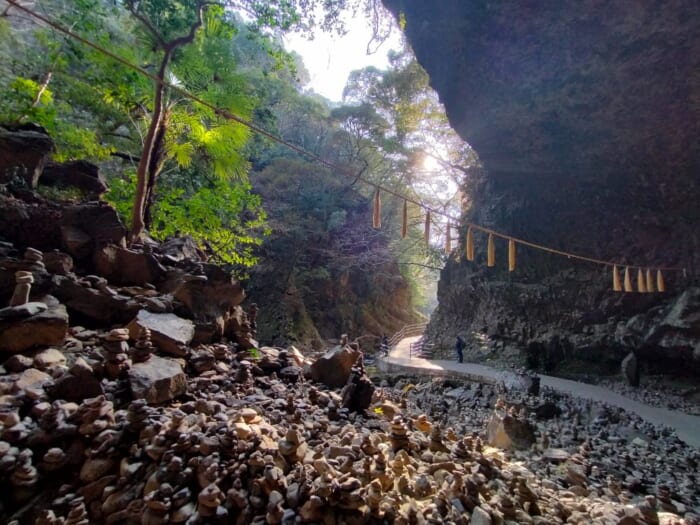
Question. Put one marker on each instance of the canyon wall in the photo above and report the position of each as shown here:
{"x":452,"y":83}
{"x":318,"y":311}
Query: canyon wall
{"x":585,"y":117}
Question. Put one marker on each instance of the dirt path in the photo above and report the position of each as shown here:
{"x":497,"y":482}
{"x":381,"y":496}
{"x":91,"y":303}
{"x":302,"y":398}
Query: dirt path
{"x":687,"y":427}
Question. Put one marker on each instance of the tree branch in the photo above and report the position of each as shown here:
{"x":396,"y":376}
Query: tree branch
{"x":125,"y":156}
{"x":146,"y":23}
{"x":189,"y":37}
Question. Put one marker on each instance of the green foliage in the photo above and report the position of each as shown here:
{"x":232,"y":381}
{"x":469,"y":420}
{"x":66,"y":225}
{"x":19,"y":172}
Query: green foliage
{"x":196,"y":132}
{"x":121,"y":193}
{"x":76,"y":143}
{"x":98,"y":109}
{"x":337,"y":220}
{"x":227,"y":219}
{"x":20,"y":100}
{"x":29,"y":101}
{"x":60,"y":194}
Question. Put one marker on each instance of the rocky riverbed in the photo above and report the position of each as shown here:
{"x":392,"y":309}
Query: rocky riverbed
{"x":246,"y":443}
{"x":661,"y":391}
{"x":140,"y":395}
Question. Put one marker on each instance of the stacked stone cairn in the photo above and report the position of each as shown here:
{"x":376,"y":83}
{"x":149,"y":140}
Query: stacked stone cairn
{"x":143,"y":348}
{"x":35,"y":259}
{"x":116,"y":348}
{"x":24,"y":282}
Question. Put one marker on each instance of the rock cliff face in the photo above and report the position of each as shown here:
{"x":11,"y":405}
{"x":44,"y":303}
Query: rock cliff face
{"x":323,"y":270}
{"x":585,"y":117}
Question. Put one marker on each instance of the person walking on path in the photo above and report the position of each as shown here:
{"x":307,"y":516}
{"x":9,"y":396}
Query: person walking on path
{"x":459,"y":348}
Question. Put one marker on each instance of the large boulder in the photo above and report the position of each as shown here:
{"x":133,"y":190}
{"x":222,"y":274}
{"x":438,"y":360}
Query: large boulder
{"x":181,"y":250}
{"x":76,"y":242}
{"x":508,"y":432}
{"x":238,"y":328}
{"x":210,"y":295}
{"x":24,"y":151}
{"x":25,"y":223}
{"x":58,"y":262}
{"x":76,"y":387}
{"x":92,"y":304}
{"x":123,"y":266}
{"x":334,"y":367}
{"x":79,"y":174}
{"x":357,"y":393}
{"x":87,"y":226}
{"x":76,"y":229}
{"x":170,"y":333}
{"x":684,"y":312}
{"x":46,"y":327}
{"x":157,"y":380}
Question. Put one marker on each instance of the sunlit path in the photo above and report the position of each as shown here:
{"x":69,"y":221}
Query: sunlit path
{"x":687,"y":427}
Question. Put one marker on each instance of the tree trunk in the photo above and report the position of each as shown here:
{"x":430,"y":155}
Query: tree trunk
{"x":154,"y":168}
{"x":142,"y":175}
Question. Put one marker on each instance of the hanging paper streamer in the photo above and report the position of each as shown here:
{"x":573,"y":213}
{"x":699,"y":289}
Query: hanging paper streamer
{"x":470,"y":244}
{"x":511,"y":255}
{"x":377,"y":215}
{"x":641,"y":283}
{"x":404,"y":222}
{"x":426,"y":233}
{"x":650,"y":281}
{"x":660,"y":285}
{"x":491,"y":253}
{"x":448,"y":239}
{"x":617,"y":287}
{"x":628,"y":281}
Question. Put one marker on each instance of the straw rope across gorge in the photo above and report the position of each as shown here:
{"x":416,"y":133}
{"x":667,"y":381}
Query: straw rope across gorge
{"x":646,"y":281}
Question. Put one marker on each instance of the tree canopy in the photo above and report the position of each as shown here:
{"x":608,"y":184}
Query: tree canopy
{"x":176,"y":166}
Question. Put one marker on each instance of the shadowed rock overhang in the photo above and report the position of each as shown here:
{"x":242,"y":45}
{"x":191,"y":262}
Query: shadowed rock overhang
{"x":583,"y":88}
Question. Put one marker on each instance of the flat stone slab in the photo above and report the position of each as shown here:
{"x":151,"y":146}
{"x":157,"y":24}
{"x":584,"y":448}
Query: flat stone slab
{"x":169,"y":333}
{"x":333,"y":368}
{"x":556,"y":455}
{"x":22,"y":311}
{"x":157,"y":380}
{"x":46,"y":328}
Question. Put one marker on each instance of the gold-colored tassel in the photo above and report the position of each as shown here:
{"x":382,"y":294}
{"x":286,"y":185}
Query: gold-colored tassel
{"x":641,"y":283}
{"x":660,"y":285}
{"x":470,"y":244}
{"x":617,"y":287}
{"x":426,"y":233}
{"x":628,"y":280}
{"x":511,"y":255}
{"x":491,"y":253}
{"x":650,"y":281}
{"x":448,"y":239}
{"x":377,"y":215}
{"x":404,"y":223}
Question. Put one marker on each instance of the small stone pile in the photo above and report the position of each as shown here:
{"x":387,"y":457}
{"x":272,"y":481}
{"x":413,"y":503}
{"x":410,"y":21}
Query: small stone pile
{"x":143,"y":347}
{"x":116,"y":348}
{"x":35,"y":258}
